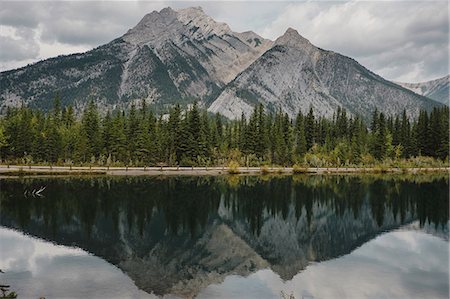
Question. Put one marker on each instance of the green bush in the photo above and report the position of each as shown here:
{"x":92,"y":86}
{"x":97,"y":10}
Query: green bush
{"x":233,"y":167}
{"x":265,"y":169}
{"x":299,"y":169}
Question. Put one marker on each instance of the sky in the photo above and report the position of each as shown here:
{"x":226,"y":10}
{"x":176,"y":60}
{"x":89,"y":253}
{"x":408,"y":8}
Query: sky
{"x":406,"y":41}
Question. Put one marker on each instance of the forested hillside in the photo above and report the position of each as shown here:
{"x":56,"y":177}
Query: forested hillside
{"x":139,"y":137}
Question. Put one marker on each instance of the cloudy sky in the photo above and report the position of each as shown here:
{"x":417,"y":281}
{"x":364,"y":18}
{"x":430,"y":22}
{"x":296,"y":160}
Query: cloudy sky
{"x":400,"y":40}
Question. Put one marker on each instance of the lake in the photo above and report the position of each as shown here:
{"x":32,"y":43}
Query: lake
{"x":312,"y":236}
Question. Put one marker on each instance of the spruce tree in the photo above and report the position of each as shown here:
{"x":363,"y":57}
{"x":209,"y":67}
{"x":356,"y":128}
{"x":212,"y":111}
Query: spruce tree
{"x":90,"y":132}
{"x":310,"y":129}
{"x":300,"y":149}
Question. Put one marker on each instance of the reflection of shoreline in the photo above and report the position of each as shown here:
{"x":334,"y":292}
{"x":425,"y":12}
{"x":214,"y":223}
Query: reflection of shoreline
{"x":16,"y":170}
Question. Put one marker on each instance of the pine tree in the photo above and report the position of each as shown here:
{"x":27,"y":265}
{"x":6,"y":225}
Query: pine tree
{"x":53,"y":140}
{"x":57,"y":110}
{"x":152,"y":139}
{"x":90,"y":132}
{"x":174,"y":135}
{"x":107,"y":134}
{"x":219,"y":129}
{"x":197,"y":140}
{"x":132,"y":127}
{"x":443,"y":148}
{"x":300,"y":149}
{"x":262,"y":138}
{"x":422,"y":134}
{"x":310,"y":129}
{"x":118,"y":138}
{"x":379,"y":138}
{"x":288,"y":134}
{"x":251,"y":135}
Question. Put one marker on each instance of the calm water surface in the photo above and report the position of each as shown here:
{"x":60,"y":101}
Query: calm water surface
{"x":226,"y":237}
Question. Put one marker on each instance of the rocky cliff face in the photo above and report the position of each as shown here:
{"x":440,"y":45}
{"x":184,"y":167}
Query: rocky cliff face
{"x":178,"y":56}
{"x":437,"y":90}
{"x":295,"y":75}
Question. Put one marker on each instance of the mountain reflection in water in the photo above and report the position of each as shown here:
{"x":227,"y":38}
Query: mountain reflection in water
{"x":185,"y":235}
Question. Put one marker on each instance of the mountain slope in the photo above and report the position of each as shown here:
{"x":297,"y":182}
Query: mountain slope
{"x":437,"y":90}
{"x":294,"y":75}
{"x":169,"y":56}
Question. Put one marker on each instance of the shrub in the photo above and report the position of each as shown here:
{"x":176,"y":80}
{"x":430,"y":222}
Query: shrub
{"x":313,"y":160}
{"x":367,"y":160}
{"x":265,"y":169}
{"x":233,"y":167}
{"x":299,"y":169}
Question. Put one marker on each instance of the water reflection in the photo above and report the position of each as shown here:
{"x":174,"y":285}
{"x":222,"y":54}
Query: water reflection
{"x":36,"y":268}
{"x":393,"y":265}
{"x":180,"y":235}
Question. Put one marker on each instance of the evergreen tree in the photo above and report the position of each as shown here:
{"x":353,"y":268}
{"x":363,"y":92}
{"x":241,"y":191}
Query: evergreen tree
{"x":53,"y":140}
{"x":422,"y":132}
{"x":310,"y":129}
{"x":90,"y":135}
{"x":194,"y":138}
{"x":119,"y":138}
{"x":301,"y":137}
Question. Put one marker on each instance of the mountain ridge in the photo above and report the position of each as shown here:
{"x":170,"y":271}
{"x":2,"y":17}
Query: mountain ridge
{"x":437,"y":89}
{"x":295,"y":75}
{"x":178,"y":56}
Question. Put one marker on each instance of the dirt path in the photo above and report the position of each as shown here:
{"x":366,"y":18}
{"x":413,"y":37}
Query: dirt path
{"x":6,"y":170}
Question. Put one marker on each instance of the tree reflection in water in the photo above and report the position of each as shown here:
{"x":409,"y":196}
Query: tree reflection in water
{"x":197,"y":230}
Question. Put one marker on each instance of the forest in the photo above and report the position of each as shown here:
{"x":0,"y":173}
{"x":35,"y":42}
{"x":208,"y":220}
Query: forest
{"x":193,"y":137}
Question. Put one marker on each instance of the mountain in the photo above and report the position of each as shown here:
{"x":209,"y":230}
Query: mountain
{"x":178,"y":56}
{"x":437,"y":90}
{"x":295,"y":75}
{"x":169,"y":56}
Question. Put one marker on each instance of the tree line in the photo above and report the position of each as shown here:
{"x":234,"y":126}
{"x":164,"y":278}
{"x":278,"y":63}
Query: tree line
{"x":192,"y":137}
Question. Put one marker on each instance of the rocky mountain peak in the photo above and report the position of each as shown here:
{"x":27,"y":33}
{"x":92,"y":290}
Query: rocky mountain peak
{"x":155,"y":17}
{"x":292,"y":38}
{"x":154,"y":27}
{"x":169,"y":24}
{"x":202,"y":25}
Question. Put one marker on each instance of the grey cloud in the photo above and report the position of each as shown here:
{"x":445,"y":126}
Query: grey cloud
{"x":92,"y":23}
{"x":20,"y":14}
{"x":17,"y":49}
{"x":390,"y":38}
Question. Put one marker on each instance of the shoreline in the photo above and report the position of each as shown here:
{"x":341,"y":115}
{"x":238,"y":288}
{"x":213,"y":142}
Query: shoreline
{"x":18,"y":170}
